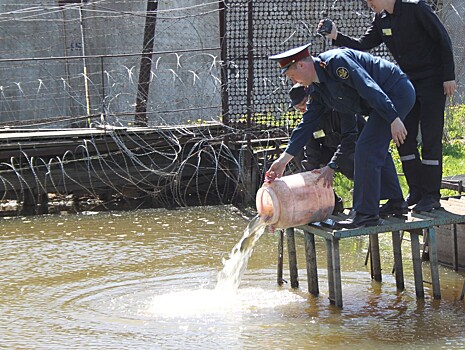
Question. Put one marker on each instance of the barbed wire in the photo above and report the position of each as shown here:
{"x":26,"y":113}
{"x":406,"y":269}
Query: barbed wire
{"x":78,"y":65}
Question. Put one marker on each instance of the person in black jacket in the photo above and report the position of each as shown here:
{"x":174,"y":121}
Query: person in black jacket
{"x":422,"y":48}
{"x":333,"y":144}
{"x":331,"y":148}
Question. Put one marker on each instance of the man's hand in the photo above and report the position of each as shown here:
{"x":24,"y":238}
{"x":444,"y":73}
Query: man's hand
{"x":333,"y":34}
{"x":327,"y":174}
{"x":276,"y":169}
{"x":449,"y":87}
{"x":398,"y":131}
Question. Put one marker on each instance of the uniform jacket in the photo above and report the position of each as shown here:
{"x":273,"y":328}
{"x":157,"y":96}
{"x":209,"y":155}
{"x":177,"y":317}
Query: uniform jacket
{"x":416,"y":38}
{"x":351,"y":82}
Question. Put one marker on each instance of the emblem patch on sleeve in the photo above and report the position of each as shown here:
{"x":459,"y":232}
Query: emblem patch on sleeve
{"x":342,"y":72}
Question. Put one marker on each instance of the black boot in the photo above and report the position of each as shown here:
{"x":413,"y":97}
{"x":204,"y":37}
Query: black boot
{"x":413,"y":198}
{"x":427,"y":203}
{"x":395,"y":207}
{"x":359,"y":220}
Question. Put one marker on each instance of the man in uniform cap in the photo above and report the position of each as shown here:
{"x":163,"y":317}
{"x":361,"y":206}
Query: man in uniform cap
{"x":353,"y":82}
{"x":422,"y":47}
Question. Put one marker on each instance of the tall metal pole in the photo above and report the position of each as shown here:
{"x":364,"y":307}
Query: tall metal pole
{"x":224,"y":67}
{"x":84,"y":63}
{"x":146,"y":64}
{"x":250,"y":63}
{"x":250,"y":175}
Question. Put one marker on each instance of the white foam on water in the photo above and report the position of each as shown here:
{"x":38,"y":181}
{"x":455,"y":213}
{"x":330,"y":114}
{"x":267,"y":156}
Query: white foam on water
{"x":202,"y":302}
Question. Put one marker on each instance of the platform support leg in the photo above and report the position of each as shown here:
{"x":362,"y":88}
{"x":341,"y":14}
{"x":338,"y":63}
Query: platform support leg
{"x":43,"y":201}
{"x":334,"y":271}
{"x":329,"y":264}
{"x":417,"y":272}
{"x":433,"y":261}
{"x":375,"y":258}
{"x":337,"y":273}
{"x":463,"y":291}
{"x":292,"y":257}
{"x":398,"y":266}
{"x":425,"y":253}
{"x":280,"y":257}
{"x":455,"y":252}
{"x":310,"y":257}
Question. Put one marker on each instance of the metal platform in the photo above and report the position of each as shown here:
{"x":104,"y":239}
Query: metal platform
{"x":452,"y":212}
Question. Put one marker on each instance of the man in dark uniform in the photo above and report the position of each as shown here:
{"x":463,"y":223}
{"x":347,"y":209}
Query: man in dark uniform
{"x":331,"y":148}
{"x":355,"y":82}
{"x":421,"y":46}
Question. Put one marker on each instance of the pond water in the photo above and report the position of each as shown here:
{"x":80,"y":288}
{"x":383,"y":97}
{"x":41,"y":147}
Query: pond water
{"x":148,"y":280}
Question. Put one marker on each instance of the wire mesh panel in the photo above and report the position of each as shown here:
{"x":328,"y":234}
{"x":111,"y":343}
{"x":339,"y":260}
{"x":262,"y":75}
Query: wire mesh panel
{"x":278,"y":26}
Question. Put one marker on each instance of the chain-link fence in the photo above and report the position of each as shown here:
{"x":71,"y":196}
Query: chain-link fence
{"x":256,"y":29}
{"x":75,"y":62}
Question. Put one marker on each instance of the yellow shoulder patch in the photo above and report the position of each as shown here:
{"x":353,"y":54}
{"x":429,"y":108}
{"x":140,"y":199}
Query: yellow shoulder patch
{"x":342,"y":72}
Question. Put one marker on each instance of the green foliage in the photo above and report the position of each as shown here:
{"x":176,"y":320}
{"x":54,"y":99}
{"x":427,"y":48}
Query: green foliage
{"x":343,"y":187}
{"x":454,"y":123}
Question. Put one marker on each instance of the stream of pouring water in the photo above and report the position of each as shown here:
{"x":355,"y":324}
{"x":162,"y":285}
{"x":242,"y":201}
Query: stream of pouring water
{"x":224,"y":299}
{"x":230,"y":276}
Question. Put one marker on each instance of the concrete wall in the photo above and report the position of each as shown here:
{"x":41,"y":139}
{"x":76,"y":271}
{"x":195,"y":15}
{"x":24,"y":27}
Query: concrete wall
{"x":32,"y":89}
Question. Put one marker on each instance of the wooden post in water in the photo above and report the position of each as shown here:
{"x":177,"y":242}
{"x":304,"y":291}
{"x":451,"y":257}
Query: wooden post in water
{"x":310,"y":257}
{"x":145,"y":70}
{"x":375,"y":258}
{"x":398,"y":267}
{"x":43,"y":206}
{"x":337,"y":273}
{"x":280,"y":257}
{"x":463,"y":291}
{"x":425,"y":252}
{"x":417,"y":272}
{"x":292,"y":257}
{"x":29,"y":205}
{"x":433,"y":261}
{"x":329,"y":264}
{"x":455,"y":251}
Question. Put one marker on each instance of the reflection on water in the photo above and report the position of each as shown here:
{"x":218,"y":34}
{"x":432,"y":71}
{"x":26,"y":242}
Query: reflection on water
{"x":149,"y":280}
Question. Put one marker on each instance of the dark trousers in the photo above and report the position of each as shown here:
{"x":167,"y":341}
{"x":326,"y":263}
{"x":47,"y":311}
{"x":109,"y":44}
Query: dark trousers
{"x":424,"y":174}
{"x":375,"y":174}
